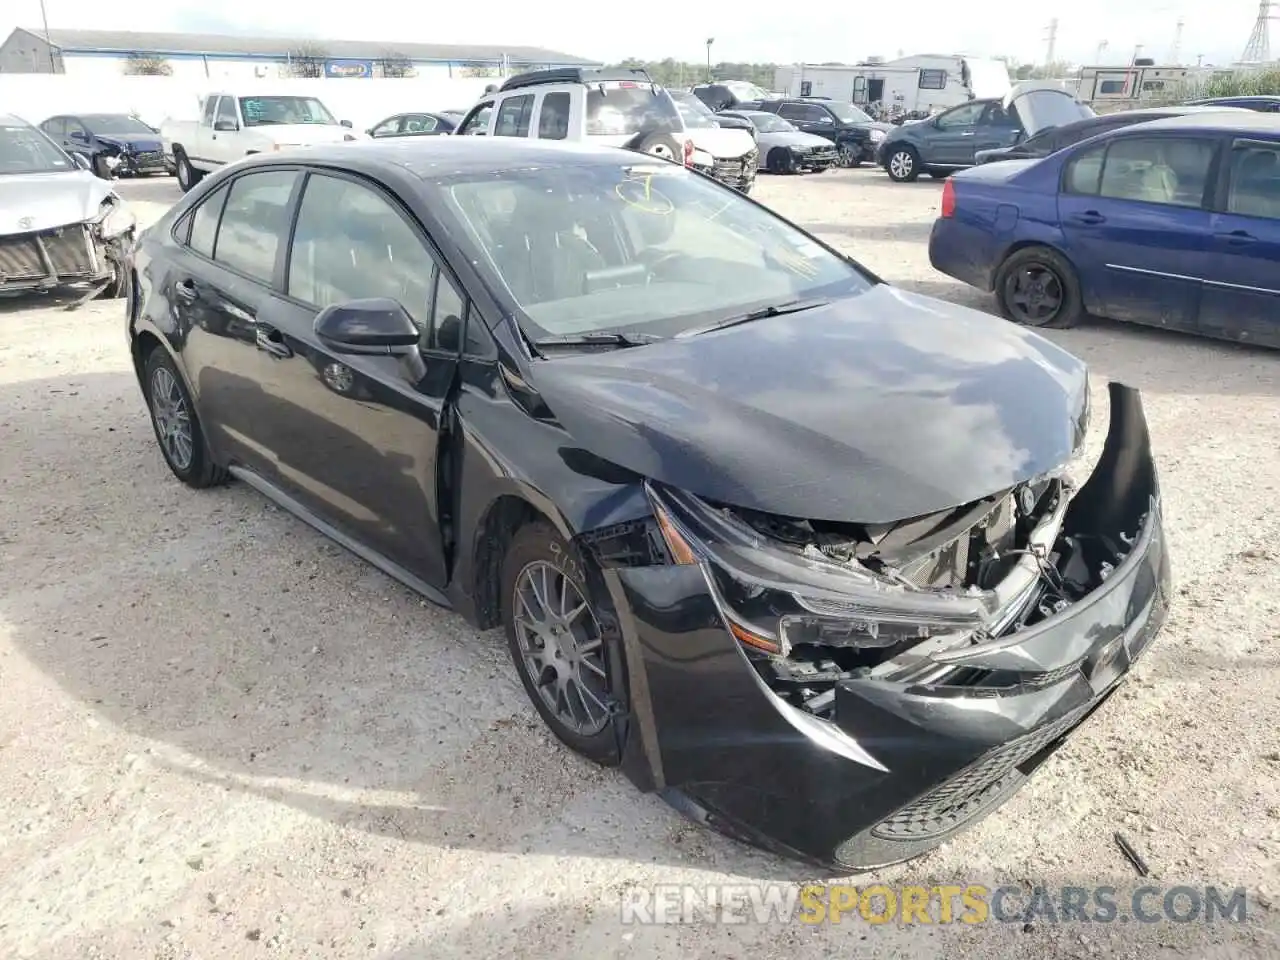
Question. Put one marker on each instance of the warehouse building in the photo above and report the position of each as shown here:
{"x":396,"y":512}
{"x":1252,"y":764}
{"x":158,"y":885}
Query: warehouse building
{"x":103,"y":53}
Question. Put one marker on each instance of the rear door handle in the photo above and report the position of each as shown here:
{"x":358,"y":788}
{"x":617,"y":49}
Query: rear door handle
{"x":185,"y":290}
{"x":1090,"y":218}
{"x":1236,"y":237}
{"x":269,"y":340}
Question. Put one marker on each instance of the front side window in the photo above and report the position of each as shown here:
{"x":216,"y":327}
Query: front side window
{"x":553,"y":116}
{"x":965,"y":115}
{"x":351,"y":243}
{"x":268,"y":111}
{"x":768,"y":123}
{"x":589,"y":247}
{"x":477,"y":124}
{"x":254,"y":220}
{"x":24,"y":149}
{"x":420,"y":123}
{"x":793,"y":111}
{"x":1255,"y":180}
{"x":514,"y":116}
{"x":1084,"y":172}
{"x":1165,"y":170}
{"x":210,"y":105}
{"x":625,"y":108}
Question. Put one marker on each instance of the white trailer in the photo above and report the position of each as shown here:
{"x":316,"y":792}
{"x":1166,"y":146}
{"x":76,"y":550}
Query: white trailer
{"x":927,"y":83}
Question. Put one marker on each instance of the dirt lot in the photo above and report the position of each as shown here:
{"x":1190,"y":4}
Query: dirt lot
{"x":221,"y":735}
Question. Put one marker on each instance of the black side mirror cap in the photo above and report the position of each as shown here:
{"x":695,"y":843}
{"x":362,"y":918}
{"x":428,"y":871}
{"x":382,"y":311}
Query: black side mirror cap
{"x":345,"y":123}
{"x":377,"y":326}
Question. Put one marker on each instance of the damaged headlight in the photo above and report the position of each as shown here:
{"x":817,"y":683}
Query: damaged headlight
{"x":877,"y":136}
{"x":773,"y":598}
{"x":114,"y":218}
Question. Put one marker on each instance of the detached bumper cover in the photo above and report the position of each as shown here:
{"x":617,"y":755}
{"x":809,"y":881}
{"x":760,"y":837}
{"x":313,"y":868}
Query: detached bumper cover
{"x":902,"y":767}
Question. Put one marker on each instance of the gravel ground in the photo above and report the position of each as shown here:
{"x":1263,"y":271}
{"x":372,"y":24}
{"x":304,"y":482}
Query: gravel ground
{"x":222,"y":735}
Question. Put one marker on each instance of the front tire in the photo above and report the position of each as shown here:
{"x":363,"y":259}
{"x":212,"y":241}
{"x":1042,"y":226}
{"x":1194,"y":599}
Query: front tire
{"x":563,"y":637}
{"x":902,"y":164}
{"x":188,"y":176}
{"x":177,"y":427}
{"x":1037,"y":287}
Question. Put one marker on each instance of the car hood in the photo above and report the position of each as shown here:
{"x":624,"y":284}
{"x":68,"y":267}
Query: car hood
{"x":871,"y":125}
{"x":871,"y":409}
{"x":137,"y":141}
{"x":1041,"y":104}
{"x":41,"y":201}
{"x":721,"y":141}
{"x":304,"y":134}
{"x":793,"y":138}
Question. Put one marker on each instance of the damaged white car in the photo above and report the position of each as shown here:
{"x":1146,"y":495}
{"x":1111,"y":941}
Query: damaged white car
{"x":60,"y":225}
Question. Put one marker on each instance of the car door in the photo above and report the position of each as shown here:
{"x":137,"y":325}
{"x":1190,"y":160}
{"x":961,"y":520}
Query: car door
{"x":950,"y":142}
{"x":225,"y":145}
{"x":996,"y":128}
{"x":515,"y":114}
{"x":354,"y":438}
{"x":553,"y":115}
{"x":1242,"y":275}
{"x":221,"y":288}
{"x":1135,"y":224}
{"x":476,"y":122}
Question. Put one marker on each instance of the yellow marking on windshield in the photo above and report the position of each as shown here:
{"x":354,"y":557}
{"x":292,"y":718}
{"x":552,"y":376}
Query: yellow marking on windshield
{"x":640,"y":194}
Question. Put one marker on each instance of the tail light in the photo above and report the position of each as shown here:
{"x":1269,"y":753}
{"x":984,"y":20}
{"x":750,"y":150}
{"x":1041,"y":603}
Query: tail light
{"x":948,"y":199}
{"x":688,"y":153}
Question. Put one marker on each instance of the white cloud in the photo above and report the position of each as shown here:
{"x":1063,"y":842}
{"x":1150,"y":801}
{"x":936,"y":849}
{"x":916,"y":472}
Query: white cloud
{"x":753,"y":30}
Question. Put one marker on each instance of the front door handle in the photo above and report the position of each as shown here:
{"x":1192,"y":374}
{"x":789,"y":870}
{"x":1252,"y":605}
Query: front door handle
{"x":969,"y":133}
{"x":1090,"y":218}
{"x":269,"y":340}
{"x":185,"y":290}
{"x":1237,"y":237}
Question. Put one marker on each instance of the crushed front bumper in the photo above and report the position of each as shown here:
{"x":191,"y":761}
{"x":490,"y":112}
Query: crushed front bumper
{"x":903,"y":765}
{"x":63,"y":256}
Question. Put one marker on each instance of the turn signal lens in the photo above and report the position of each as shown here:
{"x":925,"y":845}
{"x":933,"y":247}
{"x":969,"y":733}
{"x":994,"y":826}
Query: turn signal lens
{"x":677,"y":545}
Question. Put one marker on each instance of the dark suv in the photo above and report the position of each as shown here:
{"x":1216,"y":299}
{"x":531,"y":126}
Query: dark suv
{"x":855,"y":134}
{"x":951,"y":140}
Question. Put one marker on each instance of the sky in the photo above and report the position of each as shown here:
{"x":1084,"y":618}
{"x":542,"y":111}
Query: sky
{"x":747,"y":30}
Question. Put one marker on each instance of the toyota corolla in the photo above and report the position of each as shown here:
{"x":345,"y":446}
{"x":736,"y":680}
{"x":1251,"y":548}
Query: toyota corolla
{"x":809,"y":555}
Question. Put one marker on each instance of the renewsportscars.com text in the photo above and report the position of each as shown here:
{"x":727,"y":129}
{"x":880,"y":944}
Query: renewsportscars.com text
{"x":942,"y":904}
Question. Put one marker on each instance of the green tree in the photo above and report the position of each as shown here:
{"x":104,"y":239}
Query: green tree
{"x":144,"y":65}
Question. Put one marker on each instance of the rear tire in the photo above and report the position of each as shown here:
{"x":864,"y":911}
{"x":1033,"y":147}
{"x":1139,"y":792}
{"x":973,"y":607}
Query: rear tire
{"x":188,"y":176}
{"x":902,"y":164}
{"x":1038,"y":287}
{"x":659,"y":145}
{"x":173,"y":414}
{"x":567,"y":664}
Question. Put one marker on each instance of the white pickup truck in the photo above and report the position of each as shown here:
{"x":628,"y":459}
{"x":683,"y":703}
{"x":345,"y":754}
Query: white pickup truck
{"x":232,"y":126}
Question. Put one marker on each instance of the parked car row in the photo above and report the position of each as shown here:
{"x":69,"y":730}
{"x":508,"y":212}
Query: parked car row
{"x":109,"y":144}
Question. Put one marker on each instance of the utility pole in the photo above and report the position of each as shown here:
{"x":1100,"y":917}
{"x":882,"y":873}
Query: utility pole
{"x":1051,"y":37}
{"x":44,"y":18}
{"x":1097,"y":57}
{"x":710,"y":41}
{"x":1137,"y":52}
{"x":1176,"y":53}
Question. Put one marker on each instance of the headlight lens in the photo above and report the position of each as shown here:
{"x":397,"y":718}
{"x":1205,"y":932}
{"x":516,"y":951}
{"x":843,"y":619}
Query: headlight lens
{"x":773,"y":598}
{"x":114,"y":218}
{"x":877,"y":136}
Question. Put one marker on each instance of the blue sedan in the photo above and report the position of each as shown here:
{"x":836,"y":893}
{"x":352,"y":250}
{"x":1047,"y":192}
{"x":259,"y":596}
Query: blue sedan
{"x":1173,"y":223}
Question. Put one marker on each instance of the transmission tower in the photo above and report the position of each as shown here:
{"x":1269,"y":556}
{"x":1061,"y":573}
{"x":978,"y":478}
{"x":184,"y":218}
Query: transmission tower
{"x":1051,"y":38}
{"x":1258,"y":49}
{"x":1175,"y":53}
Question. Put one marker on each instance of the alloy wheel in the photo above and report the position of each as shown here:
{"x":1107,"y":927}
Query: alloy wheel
{"x":173,"y":419}
{"x":663,"y":151}
{"x":560,"y":642}
{"x":1034,"y":294}
{"x":901,"y":164}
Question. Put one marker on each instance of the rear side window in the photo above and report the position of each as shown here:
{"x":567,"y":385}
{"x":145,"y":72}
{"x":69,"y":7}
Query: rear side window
{"x":623,"y":109}
{"x":1255,"y":181}
{"x":1084,"y":172}
{"x":514,"y":116}
{"x":254,"y":221}
{"x":1163,"y":170}
{"x":204,"y":223}
{"x":553,"y":116}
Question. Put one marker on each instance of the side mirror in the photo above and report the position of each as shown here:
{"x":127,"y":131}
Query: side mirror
{"x":79,"y":135}
{"x":345,"y":123}
{"x":374,"y":327}
{"x":79,"y":160}
{"x":226,"y":125}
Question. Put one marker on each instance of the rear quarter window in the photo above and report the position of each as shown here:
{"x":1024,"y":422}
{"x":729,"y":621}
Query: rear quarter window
{"x":616,"y":110}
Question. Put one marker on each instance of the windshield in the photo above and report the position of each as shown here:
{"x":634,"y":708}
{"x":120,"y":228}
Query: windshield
{"x":647,"y":247}
{"x":625,"y":108}
{"x":694,"y":113}
{"x":109,"y":123}
{"x":847,"y":112}
{"x":25,"y":149}
{"x":771,"y":123}
{"x":745,"y":90}
{"x":264,"y":111}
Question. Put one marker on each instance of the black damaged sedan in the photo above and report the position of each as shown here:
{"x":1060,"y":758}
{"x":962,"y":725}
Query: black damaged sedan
{"x":799,"y":550}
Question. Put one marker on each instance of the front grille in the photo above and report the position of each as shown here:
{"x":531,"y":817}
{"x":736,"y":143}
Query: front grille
{"x":152,"y":158}
{"x":66,"y":252}
{"x":971,"y":791}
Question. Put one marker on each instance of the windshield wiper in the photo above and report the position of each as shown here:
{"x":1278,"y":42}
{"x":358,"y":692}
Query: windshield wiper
{"x":773,"y":310}
{"x":611,"y":339}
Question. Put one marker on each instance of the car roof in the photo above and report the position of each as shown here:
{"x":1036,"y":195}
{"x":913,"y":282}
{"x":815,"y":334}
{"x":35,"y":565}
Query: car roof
{"x":1220,"y":121}
{"x":431,"y":157}
{"x":14,"y":120}
{"x":750,"y":113}
{"x":1240,"y":98}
